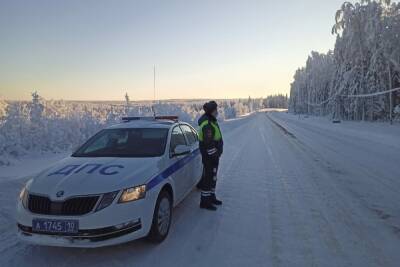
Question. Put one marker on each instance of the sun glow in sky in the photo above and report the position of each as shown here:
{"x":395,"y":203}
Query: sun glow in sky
{"x":98,"y":50}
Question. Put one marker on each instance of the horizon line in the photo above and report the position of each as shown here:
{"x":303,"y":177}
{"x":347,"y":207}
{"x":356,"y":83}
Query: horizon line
{"x":145,"y":100}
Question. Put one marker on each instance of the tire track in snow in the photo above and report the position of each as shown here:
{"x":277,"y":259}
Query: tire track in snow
{"x":306,"y":195}
{"x":363,"y":167}
{"x":284,"y":184}
{"x":372,"y":200}
{"x":348,"y":212}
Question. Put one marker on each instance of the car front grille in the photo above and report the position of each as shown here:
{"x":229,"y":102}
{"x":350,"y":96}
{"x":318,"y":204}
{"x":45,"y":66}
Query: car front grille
{"x":73,"y":206}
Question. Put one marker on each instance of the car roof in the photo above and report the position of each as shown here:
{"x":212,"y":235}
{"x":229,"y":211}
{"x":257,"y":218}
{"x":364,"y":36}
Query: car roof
{"x":163,"y":124}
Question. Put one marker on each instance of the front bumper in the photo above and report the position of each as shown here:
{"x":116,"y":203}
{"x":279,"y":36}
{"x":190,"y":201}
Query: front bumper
{"x":84,"y":238}
{"x":118,"y":223}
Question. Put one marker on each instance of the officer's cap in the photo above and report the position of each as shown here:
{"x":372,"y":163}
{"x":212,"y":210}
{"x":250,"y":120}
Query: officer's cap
{"x":210,"y":107}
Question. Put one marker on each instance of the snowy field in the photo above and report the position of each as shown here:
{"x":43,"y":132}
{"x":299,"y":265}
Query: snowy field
{"x":296,"y":192}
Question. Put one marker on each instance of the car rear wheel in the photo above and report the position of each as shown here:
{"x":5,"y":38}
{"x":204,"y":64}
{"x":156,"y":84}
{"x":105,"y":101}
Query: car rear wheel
{"x":161,"y":218}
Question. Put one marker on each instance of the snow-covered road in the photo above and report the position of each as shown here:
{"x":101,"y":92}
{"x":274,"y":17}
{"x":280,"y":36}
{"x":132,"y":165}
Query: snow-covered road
{"x":296,"y":193}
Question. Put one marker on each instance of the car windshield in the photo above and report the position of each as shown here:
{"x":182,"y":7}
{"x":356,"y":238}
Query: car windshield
{"x":146,"y":142}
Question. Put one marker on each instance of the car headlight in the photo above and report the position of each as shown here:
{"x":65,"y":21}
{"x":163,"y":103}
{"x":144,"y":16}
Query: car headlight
{"x":106,"y":200}
{"x":23,"y":197}
{"x":132,"y":194}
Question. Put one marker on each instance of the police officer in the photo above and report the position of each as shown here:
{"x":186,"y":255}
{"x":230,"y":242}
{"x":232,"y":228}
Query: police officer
{"x":211,"y":147}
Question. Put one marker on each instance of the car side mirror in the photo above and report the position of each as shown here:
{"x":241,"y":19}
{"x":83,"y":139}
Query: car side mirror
{"x":181,"y":150}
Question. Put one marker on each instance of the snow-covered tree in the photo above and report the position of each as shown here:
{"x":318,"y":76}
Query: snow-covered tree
{"x":127,"y":104}
{"x":36,"y":108}
{"x":365,"y":60}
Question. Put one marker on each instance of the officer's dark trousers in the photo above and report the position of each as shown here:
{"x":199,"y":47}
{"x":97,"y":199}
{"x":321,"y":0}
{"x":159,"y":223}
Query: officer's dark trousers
{"x":209,"y":179}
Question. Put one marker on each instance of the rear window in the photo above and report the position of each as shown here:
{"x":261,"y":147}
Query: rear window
{"x":146,"y":142}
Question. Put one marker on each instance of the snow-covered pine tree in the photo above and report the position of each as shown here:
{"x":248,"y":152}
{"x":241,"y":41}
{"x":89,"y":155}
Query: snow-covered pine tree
{"x":127,"y":105}
{"x":365,"y":60}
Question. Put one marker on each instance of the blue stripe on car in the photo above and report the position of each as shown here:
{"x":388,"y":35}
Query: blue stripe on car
{"x":171,"y":169}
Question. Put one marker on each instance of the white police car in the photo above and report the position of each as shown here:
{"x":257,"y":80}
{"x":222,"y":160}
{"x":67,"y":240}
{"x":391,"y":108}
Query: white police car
{"x":119,"y":186}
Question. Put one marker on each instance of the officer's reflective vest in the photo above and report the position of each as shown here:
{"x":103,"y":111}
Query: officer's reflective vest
{"x":217,"y":131}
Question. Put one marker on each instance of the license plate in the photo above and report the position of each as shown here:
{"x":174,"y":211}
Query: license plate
{"x":55,"y":226}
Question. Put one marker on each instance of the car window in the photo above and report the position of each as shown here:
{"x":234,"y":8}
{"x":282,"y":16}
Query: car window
{"x":125,"y":143}
{"x":195,"y":134}
{"x":189,"y":134}
{"x":177,"y":138}
{"x":98,"y":143}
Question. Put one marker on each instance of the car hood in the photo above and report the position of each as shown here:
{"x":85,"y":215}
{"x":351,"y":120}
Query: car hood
{"x":82,"y":176}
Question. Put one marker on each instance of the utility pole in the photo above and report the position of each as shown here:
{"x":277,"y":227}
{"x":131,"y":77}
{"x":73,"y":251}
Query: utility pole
{"x":154,"y":90}
{"x":390,"y":96}
{"x":154,"y":83}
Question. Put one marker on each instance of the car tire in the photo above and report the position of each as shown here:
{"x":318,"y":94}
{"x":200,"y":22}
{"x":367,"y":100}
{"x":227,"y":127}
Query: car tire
{"x":161,"y":218}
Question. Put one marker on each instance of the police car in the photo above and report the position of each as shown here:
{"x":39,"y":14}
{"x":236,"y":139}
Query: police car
{"x":120,"y":185}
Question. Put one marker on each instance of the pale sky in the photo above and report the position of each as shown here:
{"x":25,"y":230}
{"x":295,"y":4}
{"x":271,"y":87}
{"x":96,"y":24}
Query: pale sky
{"x":99,"y":50}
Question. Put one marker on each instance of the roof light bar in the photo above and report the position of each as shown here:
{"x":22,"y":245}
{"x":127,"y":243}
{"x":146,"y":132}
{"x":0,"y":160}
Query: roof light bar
{"x":171,"y":118}
{"x":130,"y":119}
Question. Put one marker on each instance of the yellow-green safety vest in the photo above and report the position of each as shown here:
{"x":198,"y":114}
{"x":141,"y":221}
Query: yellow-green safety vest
{"x":217,"y":131}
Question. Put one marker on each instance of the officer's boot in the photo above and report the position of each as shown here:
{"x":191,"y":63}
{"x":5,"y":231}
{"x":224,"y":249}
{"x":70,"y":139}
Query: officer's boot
{"x":206,"y":202}
{"x":214,"y":199}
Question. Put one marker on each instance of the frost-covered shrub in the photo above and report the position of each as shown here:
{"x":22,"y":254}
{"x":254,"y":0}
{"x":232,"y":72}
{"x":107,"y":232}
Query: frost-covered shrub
{"x":3,"y":106}
{"x":397,"y":110}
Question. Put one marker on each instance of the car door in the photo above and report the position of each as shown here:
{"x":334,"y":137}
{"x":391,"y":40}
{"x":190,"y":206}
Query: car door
{"x":180,"y":176}
{"x":194,"y":166}
{"x":198,"y":162}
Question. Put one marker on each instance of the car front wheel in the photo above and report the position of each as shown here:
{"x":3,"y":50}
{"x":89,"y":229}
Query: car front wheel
{"x":161,"y":218}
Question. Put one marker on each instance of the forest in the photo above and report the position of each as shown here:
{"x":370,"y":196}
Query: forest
{"x":279,"y":101}
{"x":360,"y":78}
{"x":42,"y":125}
